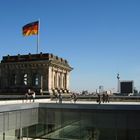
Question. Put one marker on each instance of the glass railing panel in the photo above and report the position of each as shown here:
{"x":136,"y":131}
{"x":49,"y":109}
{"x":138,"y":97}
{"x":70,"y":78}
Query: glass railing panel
{"x":11,"y":135}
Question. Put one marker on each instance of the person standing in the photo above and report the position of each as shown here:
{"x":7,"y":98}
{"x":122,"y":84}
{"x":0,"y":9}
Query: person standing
{"x":41,"y":91}
{"x":60,"y":98}
{"x":99,"y":99}
{"x":29,"y":94}
{"x":74,"y":97}
{"x":33,"y":96}
{"x":104,"y":97}
{"x":71,"y":97}
{"x":56,"y":97}
{"x":107,"y":98}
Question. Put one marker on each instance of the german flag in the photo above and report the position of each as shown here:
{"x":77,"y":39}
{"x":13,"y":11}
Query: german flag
{"x":31,"y":29}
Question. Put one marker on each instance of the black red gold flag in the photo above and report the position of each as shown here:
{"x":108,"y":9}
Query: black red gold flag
{"x":31,"y":29}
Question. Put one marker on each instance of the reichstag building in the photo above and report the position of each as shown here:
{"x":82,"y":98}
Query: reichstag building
{"x":45,"y":73}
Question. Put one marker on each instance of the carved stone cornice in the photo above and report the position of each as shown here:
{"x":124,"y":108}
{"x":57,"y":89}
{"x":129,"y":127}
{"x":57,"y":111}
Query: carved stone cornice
{"x":60,"y":65}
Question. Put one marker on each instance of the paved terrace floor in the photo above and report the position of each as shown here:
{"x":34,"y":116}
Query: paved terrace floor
{"x":9,"y":102}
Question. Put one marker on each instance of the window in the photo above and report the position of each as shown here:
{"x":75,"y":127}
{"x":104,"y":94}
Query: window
{"x":36,"y":80}
{"x":25,"y":78}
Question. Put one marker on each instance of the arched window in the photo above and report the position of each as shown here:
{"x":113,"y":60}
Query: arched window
{"x":25,"y":78}
{"x":36,"y":79}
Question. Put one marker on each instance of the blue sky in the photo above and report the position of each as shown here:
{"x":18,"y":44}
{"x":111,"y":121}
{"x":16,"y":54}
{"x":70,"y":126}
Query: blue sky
{"x":99,"y":38}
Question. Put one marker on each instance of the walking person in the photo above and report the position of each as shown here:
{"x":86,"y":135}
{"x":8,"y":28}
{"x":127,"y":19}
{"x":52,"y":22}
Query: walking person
{"x":29,"y":94}
{"x":104,"y":98}
{"x":99,"y":99}
{"x":71,"y":97}
{"x":56,"y":97}
{"x":107,"y":98}
{"x":60,"y":98}
{"x":74,"y":97}
{"x":41,"y":91}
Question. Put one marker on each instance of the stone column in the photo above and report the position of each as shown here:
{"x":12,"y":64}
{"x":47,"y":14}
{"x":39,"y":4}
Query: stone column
{"x":67,"y":80}
{"x":50,"y":73}
{"x":62,"y":75}
{"x":52,"y":77}
{"x":57,"y":80}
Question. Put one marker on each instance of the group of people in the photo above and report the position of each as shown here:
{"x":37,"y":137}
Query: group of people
{"x":73,"y":97}
{"x":58,"y":97}
{"x":104,"y":98}
{"x":30,"y":95}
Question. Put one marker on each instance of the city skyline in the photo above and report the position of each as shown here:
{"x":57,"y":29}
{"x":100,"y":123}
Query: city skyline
{"x":98,"y":38}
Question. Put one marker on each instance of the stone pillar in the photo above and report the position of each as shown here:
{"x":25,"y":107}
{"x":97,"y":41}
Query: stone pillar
{"x":57,"y":80}
{"x":52,"y":78}
{"x":67,"y":80}
{"x":62,"y":75}
{"x":50,"y":73}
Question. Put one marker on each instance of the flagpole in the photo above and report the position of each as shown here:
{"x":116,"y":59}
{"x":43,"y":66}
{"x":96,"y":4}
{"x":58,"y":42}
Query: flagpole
{"x":38,"y":35}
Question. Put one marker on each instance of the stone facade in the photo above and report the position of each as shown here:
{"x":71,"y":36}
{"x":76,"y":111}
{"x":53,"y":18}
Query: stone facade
{"x":42,"y":72}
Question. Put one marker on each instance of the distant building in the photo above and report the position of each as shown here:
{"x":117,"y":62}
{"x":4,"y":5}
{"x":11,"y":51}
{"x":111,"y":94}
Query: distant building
{"x":41,"y":72}
{"x":101,"y":89}
{"x":126,"y":87}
